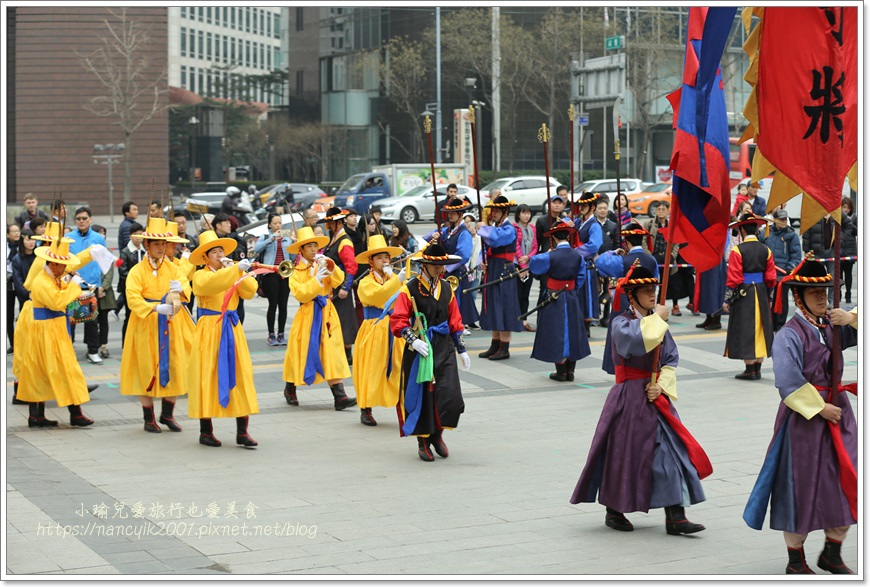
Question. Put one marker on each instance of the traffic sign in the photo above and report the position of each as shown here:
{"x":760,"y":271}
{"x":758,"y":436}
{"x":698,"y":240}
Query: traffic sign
{"x":583,"y":119}
{"x":617,"y":42}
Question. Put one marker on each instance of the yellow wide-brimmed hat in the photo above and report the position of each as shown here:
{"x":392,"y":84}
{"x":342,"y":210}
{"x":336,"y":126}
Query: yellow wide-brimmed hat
{"x":306,"y":235}
{"x":377,"y":244}
{"x":52,"y":233}
{"x":172,"y":233}
{"x":207,"y":241}
{"x":58,"y":252}
{"x":156,"y":230}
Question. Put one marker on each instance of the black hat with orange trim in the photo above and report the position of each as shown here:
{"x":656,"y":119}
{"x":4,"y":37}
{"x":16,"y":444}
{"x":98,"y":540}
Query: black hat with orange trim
{"x":334,"y":213}
{"x":749,"y":218}
{"x":436,"y":255}
{"x":456,"y":204}
{"x":587,"y":198}
{"x":636,"y":276}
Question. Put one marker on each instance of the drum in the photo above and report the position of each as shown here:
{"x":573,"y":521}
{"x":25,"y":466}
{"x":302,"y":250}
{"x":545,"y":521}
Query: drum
{"x":83,"y":309}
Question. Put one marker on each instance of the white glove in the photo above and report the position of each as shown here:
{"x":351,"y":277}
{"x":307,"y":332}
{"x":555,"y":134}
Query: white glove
{"x":321,"y":275}
{"x":402,"y":275}
{"x":185,"y":254}
{"x":466,"y":361}
{"x":76,"y":279}
{"x":245,"y":265}
{"x":387,"y":270}
{"x":421,"y":347}
{"x":226,"y":261}
{"x":103,"y":257}
{"x":165,"y":309}
{"x":175,"y":286}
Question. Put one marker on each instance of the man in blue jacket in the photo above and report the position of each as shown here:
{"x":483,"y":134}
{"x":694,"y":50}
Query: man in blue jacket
{"x":83,"y":237}
{"x":785,"y":245}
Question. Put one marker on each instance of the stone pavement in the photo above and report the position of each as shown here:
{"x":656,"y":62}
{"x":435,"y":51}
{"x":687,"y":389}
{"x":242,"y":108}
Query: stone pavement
{"x":324,"y":494}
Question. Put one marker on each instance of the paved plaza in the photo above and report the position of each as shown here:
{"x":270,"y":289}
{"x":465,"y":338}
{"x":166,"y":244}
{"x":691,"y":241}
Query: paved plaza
{"x":323,"y":494}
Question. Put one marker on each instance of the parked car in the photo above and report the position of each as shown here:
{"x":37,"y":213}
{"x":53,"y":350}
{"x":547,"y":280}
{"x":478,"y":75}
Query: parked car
{"x":418,"y":204}
{"x":526,"y":189}
{"x":627,"y":185}
{"x":645,"y":202}
{"x":251,"y":232}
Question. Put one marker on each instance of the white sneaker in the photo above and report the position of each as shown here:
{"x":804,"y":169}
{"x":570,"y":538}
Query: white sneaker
{"x":466,"y":332}
{"x":95,"y":358}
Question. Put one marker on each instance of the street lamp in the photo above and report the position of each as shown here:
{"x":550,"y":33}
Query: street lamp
{"x":109,"y":154}
{"x":192,"y":122}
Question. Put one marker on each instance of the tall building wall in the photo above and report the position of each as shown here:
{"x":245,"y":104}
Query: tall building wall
{"x":53,"y":135}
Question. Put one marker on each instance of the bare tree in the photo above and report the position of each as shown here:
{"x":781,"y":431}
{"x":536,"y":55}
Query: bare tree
{"x":402,"y":73}
{"x":121,"y":65}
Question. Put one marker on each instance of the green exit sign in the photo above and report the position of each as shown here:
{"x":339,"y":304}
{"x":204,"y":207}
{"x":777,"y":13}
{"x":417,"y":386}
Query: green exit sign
{"x":611,"y":43}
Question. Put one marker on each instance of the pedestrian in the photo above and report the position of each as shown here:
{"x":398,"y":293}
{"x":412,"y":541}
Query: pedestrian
{"x":809,"y":473}
{"x":377,"y":354}
{"x":785,"y":245}
{"x":274,"y":248}
{"x":458,"y":241}
{"x":13,"y":240}
{"x":751,"y":278}
{"x":561,"y":336}
{"x":544,"y":223}
{"x":49,"y":369}
{"x":527,"y":245}
{"x":742,"y":196}
{"x":106,"y":302}
{"x":474,"y":268}
{"x":590,"y":237}
{"x":501,"y":301}
{"x":680,"y":281}
{"x":30,"y":213}
{"x":609,"y":242}
{"x":642,"y":457}
{"x":402,"y":237}
{"x":315,"y":349}
{"x":222,"y":385}
{"x":354,"y":231}
{"x":130,"y":256}
{"x":340,"y":250}
{"x":154,"y":361}
{"x":376,"y":213}
{"x":37,"y":226}
{"x":849,"y":244}
{"x":180,"y":218}
{"x":620,"y":206}
{"x":21,"y":264}
{"x":759,"y":204}
{"x":83,"y":237}
{"x":131,"y":212}
{"x":223,"y":228}
{"x":427,"y":317}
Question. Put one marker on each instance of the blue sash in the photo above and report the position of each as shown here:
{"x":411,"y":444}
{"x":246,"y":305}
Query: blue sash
{"x":313,"y":365}
{"x":46,"y":314}
{"x":162,"y":343}
{"x":374,"y":313}
{"x":753,"y":278}
{"x":226,"y":353}
{"x":414,"y":390}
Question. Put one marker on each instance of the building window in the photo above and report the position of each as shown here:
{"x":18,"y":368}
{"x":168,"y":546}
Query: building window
{"x":233,"y":50}
{"x":233,"y":17}
{"x":208,"y":89}
{"x":277,"y":28}
{"x":224,"y":19}
{"x":254,"y":18}
{"x":217,"y":47}
{"x":199,"y":12}
{"x":183,"y":76}
{"x":268,"y":59}
{"x":262,"y":56}
{"x":208,"y":15}
{"x":300,"y":22}
{"x":183,"y":42}
{"x":200,"y":46}
{"x":225,"y":50}
{"x":247,"y":54}
{"x":255,"y":55}
{"x":247,"y":20}
{"x":184,"y":12}
{"x":192,"y":42}
{"x":262,"y":19}
{"x":199,"y":84}
{"x":300,"y":80}
{"x":208,"y":53}
{"x":276,"y":61}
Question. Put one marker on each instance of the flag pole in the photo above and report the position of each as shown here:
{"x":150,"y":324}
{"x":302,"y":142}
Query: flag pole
{"x":427,"y":126}
{"x":571,"y":116}
{"x":666,"y":273}
{"x":616,"y":154}
{"x":474,"y":154}
{"x":835,"y":339}
{"x":544,"y":138}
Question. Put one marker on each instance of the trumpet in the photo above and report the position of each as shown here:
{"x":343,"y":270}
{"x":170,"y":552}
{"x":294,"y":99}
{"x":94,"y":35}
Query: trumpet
{"x":284,"y":269}
{"x":453,"y":281}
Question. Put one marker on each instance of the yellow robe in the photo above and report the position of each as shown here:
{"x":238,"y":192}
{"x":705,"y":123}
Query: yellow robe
{"x":371,"y":351}
{"x":184,"y":320}
{"x":304,"y":287}
{"x":140,"y":359}
{"x":50,"y":369}
{"x":25,"y":316}
{"x":210,"y":287}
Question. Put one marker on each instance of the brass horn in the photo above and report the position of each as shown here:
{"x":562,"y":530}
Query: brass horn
{"x":284,"y":269}
{"x":453,"y":281}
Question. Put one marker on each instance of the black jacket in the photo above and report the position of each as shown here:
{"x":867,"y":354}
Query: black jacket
{"x":24,"y":217}
{"x":20,"y":267}
{"x":128,"y":261}
{"x":849,"y":244}
{"x":818,"y":239}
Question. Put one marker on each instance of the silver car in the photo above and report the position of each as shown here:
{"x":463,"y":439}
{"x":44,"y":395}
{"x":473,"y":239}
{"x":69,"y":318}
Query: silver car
{"x":418,"y":203}
{"x":526,"y":189}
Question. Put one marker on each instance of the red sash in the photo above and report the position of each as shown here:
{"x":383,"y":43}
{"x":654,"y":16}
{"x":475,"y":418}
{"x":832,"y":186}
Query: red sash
{"x":559,"y":284}
{"x":696,"y":453}
{"x":509,"y":257}
{"x":848,"y":475}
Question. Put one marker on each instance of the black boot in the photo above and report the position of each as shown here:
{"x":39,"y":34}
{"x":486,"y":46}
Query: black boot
{"x":45,"y":422}
{"x":617,"y":521}
{"x":92,"y":387}
{"x":676,"y":522}
{"x":150,"y":422}
{"x":493,"y":348}
{"x":588,"y":327}
{"x":569,"y":369}
{"x":290,"y":394}
{"x":366,"y":417}
{"x":166,"y":417}
{"x":503,"y":352}
{"x":757,"y":368}
{"x":748,"y":373}
{"x":15,"y":400}
{"x":830,"y":559}
{"x":242,"y":436}
{"x":706,"y":322}
{"x":77,"y":418}
{"x":437,"y":442}
{"x":715,"y":323}
{"x":423,"y":450}
{"x":206,"y":433}
{"x":33,"y":420}
{"x":348,"y":351}
{"x":797,"y":562}
{"x":341,"y":399}
{"x":561,"y":373}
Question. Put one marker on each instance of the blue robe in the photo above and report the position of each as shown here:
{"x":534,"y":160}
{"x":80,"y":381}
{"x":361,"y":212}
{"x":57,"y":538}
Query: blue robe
{"x":501,"y":302}
{"x":591,"y":236}
{"x":460,"y":243}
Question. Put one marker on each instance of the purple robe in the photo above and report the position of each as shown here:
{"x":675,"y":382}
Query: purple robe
{"x":636,"y":461}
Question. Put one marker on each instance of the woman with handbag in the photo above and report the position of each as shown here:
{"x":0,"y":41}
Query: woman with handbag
{"x":274,"y":248}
